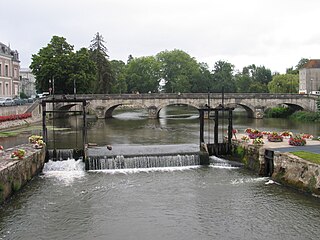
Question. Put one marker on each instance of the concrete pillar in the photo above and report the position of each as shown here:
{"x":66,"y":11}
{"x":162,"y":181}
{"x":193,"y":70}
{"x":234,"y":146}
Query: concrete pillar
{"x":153,"y":112}
{"x":100,"y":112}
{"x":258,"y":113}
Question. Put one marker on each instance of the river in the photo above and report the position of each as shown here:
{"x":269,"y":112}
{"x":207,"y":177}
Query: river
{"x":221,"y":201}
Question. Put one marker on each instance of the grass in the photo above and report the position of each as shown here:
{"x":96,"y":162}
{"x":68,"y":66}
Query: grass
{"x":8,"y":134}
{"x":312,"y":157}
{"x":16,"y":132}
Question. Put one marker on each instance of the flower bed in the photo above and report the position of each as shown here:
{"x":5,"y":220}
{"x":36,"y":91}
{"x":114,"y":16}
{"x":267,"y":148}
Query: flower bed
{"x":307,"y":136}
{"x":254,"y":135}
{"x":275,"y":137}
{"x":15,"y":117}
{"x":297,"y":141}
{"x":257,"y":141}
{"x":286,"y":134}
{"x":18,"y":154}
{"x":36,"y":140}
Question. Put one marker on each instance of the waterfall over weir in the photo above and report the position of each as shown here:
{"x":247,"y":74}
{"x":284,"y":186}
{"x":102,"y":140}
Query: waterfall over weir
{"x":64,"y":154}
{"x":126,"y":156}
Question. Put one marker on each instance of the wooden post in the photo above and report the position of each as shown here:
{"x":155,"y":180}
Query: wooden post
{"x":216,"y":126}
{"x":84,"y":128}
{"x":44,"y":128}
{"x":230,"y":133}
{"x":201,"y":126}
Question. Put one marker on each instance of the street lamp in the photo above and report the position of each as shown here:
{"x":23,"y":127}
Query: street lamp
{"x":74,"y":88}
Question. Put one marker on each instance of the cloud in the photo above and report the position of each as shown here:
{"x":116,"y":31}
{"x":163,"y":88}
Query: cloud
{"x":271,"y":33}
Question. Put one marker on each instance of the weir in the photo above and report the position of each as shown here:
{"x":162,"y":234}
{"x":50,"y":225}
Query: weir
{"x":152,"y":156}
{"x":64,"y":154}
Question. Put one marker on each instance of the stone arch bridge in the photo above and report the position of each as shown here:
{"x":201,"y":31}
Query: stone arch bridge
{"x":102,"y":105}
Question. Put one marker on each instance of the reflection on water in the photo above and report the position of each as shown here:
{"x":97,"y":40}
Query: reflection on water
{"x":176,"y":125}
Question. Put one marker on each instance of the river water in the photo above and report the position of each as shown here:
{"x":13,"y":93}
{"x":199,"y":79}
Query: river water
{"x":221,"y":201}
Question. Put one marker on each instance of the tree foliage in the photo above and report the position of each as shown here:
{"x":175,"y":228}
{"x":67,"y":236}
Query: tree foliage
{"x":284,"y":83}
{"x":223,"y":77}
{"x":300,"y":65}
{"x":143,"y":75}
{"x":104,"y":75}
{"x":204,"y":81}
{"x":57,"y":63}
{"x":178,"y":70}
{"x":118,"y":68}
{"x":253,"y":79}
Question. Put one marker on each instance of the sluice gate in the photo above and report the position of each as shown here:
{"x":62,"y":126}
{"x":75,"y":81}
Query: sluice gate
{"x":64,"y":109}
{"x":220,"y":146}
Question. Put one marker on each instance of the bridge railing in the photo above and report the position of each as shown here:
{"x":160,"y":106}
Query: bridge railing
{"x":188,"y":96}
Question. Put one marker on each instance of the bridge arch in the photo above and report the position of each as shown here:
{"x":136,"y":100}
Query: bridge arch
{"x":250,"y":110}
{"x":173,"y":104}
{"x":109,"y":111}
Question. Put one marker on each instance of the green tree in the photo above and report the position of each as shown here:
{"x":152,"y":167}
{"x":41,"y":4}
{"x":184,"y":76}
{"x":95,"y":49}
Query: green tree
{"x":104,"y":76}
{"x":83,"y":74}
{"x":57,"y":66}
{"x":178,"y":70}
{"x":284,"y":83}
{"x":119,"y":71}
{"x":143,"y":75}
{"x":204,"y":81}
{"x":223,"y":77}
{"x":300,"y":65}
{"x":253,"y":79}
{"x":243,"y":82}
{"x":53,"y":62}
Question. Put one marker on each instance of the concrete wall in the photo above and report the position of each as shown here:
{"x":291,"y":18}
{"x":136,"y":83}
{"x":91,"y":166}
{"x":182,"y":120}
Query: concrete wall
{"x":16,"y":173}
{"x":296,"y":172}
{"x":289,"y":169}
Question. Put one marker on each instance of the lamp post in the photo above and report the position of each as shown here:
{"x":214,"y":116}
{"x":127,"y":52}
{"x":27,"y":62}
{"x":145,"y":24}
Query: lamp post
{"x":74,"y":89}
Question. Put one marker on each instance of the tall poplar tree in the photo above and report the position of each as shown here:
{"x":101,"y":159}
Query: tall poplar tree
{"x":104,"y":75}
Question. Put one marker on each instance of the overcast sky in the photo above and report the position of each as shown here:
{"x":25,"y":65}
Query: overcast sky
{"x":272,"y":33}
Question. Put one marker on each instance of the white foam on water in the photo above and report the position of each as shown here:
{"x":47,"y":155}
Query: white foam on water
{"x":221,"y":166}
{"x":249,"y":180}
{"x":221,"y":163}
{"x":139,"y":170}
{"x":64,"y":171}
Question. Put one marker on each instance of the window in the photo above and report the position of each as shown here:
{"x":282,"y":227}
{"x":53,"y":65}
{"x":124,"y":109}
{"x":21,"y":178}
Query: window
{"x":6,"y":71}
{"x":0,"y":69}
{"x":6,"y":91}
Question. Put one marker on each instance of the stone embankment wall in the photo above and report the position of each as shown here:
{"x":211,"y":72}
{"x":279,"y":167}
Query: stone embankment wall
{"x":288,"y":169}
{"x":294,"y":171}
{"x":15,"y":173}
{"x":35,"y":109}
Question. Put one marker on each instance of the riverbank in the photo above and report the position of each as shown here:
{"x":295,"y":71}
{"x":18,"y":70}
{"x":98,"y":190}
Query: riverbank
{"x":275,"y":159}
{"x":19,"y":123}
{"x":15,"y":173}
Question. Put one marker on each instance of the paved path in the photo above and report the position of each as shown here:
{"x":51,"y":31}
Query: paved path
{"x":306,"y":148}
{"x":311,"y":146}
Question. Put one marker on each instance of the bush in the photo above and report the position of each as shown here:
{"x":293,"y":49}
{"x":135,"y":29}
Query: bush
{"x":306,"y":116}
{"x":279,"y":112}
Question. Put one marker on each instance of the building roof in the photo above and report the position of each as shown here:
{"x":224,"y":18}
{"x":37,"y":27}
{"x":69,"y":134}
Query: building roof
{"x":312,"y":63}
{"x":5,"y":50}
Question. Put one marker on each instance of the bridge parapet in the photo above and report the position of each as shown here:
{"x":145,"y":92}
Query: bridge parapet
{"x":254,"y":103}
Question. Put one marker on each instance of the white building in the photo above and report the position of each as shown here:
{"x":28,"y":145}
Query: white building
{"x":309,"y":77}
{"x":28,"y":82}
{"x":9,"y":72}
